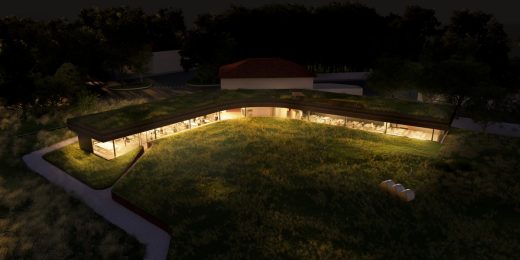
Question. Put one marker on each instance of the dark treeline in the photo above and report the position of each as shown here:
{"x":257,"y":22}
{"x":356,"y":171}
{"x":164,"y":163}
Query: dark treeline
{"x":462,"y":60}
{"x":346,"y":36}
{"x":465,"y":63}
{"x":335,"y":35}
{"x":44,"y":63}
{"x":351,"y":35}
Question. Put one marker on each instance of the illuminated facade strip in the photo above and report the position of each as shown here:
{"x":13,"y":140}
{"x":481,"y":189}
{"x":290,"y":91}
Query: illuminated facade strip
{"x":119,"y":146}
{"x":106,"y":134}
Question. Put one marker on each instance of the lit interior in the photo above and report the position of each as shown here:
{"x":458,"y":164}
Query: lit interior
{"x":111,"y":149}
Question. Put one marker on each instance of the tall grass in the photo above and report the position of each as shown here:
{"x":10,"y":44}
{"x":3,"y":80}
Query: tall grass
{"x":55,"y":119}
{"x":38,"y":220}
{"x":274,"y":188}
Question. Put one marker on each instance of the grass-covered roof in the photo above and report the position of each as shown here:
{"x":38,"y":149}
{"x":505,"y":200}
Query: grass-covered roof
{"x":127,"y":117}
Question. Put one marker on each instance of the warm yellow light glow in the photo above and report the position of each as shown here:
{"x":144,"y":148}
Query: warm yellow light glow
{"x":118,"y":147}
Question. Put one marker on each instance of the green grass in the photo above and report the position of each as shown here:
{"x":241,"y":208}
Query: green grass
{"x":107,"y":121}
{"x":39,"y":220}
{"x":274,"y":188}
{"x":89,"y":168}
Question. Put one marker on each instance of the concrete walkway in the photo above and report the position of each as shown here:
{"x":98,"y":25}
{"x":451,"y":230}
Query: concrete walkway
{"x":156,"y":240}
{"x":506,"y":129}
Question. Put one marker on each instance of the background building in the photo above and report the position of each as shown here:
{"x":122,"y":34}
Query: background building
{"x":164,"y":62}
{"x":265,"y":73}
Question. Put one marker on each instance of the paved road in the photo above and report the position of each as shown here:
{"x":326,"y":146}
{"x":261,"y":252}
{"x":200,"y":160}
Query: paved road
{"x":156,"y":240}
{"x":172,"y":80}
{"x":497,"y":128}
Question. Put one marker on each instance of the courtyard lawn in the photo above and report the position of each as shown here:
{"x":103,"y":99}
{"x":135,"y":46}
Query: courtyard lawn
{"x":274,"y":188}
{"x":89,"y":168}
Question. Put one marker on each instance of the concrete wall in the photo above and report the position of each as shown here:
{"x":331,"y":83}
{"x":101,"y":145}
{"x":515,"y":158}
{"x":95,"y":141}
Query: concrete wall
{"x":342,"y":76}
{"x":339,"y":88}
{"x":350,"y":91}
{"x":267,"y":83}
{"x":85,"y":143}
{"x":163,"y":62}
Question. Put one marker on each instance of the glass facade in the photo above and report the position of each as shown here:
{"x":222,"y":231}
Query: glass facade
{"x":118,"y":147}
{"x":112,"y":149}
{"x":280,"y":112}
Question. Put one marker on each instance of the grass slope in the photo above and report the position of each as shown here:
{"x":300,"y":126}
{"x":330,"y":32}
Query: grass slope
{"x":89,"y":168}
{"x":268,"y":188}
{"x":271,"y":188}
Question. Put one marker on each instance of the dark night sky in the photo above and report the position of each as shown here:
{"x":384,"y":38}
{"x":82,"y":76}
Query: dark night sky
{"x":505,"y":10}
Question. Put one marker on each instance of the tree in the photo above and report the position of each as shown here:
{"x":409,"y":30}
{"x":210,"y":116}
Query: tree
{"x":392,"y":74}
{"x":458,"y":80}
{"x":483,"y":109}
{"x":16,"y":65}
{"x":70,"y":78}
{"x":419,"y":26}
{"x":166,"y":29}
{"x":205,"y":74}
{"x":122,"y":33}
{"x":36,"y":57}
{"x":338,"y":34}
{"x":346,"y":34}
{"x":85,"y":47}
{"x":478,"y":36}
{"x":501,"y":102}
{"x":207,"y":45}
{"x":65,"y":85}
{"x":128,"y":35}
{"x":139,"y":61}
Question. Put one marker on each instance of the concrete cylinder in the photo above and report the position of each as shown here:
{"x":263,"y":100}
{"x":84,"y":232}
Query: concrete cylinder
{"x":387,"y":185}
{"x":397,"y":188}
{"x":407,"y":195}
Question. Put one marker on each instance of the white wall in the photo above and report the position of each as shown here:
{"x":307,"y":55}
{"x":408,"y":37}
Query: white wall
{"x":163,"y":62}
{"x":267,"y":83}
{"x":260,"y":111}
{"x":350,"y":91}
{"x":339,"y":88}
{"x":281,"y":112}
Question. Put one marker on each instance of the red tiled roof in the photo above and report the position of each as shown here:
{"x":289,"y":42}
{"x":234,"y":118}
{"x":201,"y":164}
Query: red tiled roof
{"x":264,"y":68}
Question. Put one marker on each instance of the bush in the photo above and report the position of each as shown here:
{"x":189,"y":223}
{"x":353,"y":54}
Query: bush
{"x":206,"y":74}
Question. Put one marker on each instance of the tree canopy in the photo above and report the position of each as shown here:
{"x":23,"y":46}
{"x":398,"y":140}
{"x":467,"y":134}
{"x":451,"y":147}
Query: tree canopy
{"x":100,"y":44}
{"x":409,"y":51}
{"x":466,"y":61}
{"x":339,"y":34}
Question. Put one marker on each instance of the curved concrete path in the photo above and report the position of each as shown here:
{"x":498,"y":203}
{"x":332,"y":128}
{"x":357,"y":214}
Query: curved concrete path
{"x":155,"y":239}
